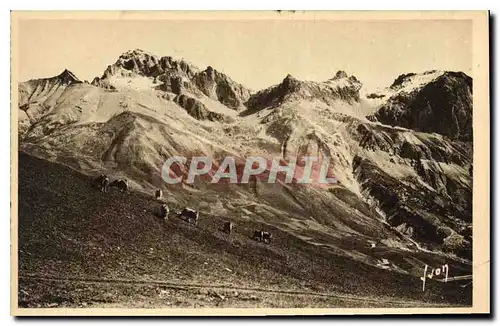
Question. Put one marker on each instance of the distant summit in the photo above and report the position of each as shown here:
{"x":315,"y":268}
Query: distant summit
{"x":413,"y":78}
{"x":424,"y":101}
{"x":340,"y":74}
{"x":339,"y":88}
{"x":67,"y":77}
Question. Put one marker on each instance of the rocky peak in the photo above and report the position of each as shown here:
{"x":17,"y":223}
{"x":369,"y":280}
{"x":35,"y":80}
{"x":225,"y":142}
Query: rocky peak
{"x":437,"y":102}
{"x":137,"y":55}
{"x":177,"y":76}
{"x":67,"y":77}
{"x":221,"y":87}
{"x":343,"y":79}
{"x":290,"y":84}
{"x":340,"y":74}
{"x":32,"y":89}
{"x":341,"y":87}
{"x":136,"y":52}
{"x":274,"y":95}
{"x":210,"y":72}
{"x":400,"y":79}
{"x":413,"y":80}
{"x":142,"y":63}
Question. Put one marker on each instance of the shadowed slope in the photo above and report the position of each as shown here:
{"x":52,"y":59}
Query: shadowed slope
{"x":68,"y":229}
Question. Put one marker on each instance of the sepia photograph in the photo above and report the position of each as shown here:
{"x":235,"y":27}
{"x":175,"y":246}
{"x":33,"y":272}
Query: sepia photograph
{"x":250,"y":163}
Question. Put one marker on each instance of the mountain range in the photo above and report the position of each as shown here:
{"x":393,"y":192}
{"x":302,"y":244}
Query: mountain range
{"x":402,"y":154}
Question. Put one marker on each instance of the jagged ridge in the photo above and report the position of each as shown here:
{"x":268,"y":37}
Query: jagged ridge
{"x":340,"y":87}
{"x":176,"y":76}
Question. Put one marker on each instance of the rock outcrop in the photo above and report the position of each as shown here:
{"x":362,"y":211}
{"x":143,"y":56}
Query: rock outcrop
{"x":220,"y":87}
{"x":198,"y":110}
{"x":433,"y":198}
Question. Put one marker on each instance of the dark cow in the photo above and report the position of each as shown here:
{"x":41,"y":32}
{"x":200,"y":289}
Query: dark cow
{"x":257,"y":235}
{"x":96,"y":181}
{"x":121,"y":184}
{"x":190,"y":215}
{"x":158,"y":194}
{"x":227,"y":227}
{"x":262,"y":236}
{"x":164,"y":210}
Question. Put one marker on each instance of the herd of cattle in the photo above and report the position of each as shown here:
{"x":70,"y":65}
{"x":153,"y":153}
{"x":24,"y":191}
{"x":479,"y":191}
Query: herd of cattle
{"x":187,"y":214}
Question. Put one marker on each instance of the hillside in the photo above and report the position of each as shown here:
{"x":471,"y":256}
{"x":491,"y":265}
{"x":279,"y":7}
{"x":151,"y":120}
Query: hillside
{"x":111,"y":249}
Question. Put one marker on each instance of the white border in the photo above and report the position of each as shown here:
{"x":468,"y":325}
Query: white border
{"x":186,"y":4}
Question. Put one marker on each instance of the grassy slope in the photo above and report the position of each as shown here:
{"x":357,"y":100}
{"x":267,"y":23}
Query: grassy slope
{"x":68,"y":229}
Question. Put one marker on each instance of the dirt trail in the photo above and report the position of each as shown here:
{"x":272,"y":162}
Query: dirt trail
{"x":224,"y":287}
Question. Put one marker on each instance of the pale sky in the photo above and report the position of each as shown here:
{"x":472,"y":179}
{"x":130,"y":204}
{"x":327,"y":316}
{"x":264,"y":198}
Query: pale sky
{"x":256,"y":54}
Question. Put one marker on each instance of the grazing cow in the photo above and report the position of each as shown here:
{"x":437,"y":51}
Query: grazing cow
{"x":227,"y":227}
{"x":266,"y":237}
{"x":121,"y":184}
{"x":158,"y":194}
{"x":257,"y":235}
{"x":262,"y":236}
{"x":96,"y":181}
{"x":164,"y":210}
{"x":190,"y":215}
{"x":102,"y":182}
